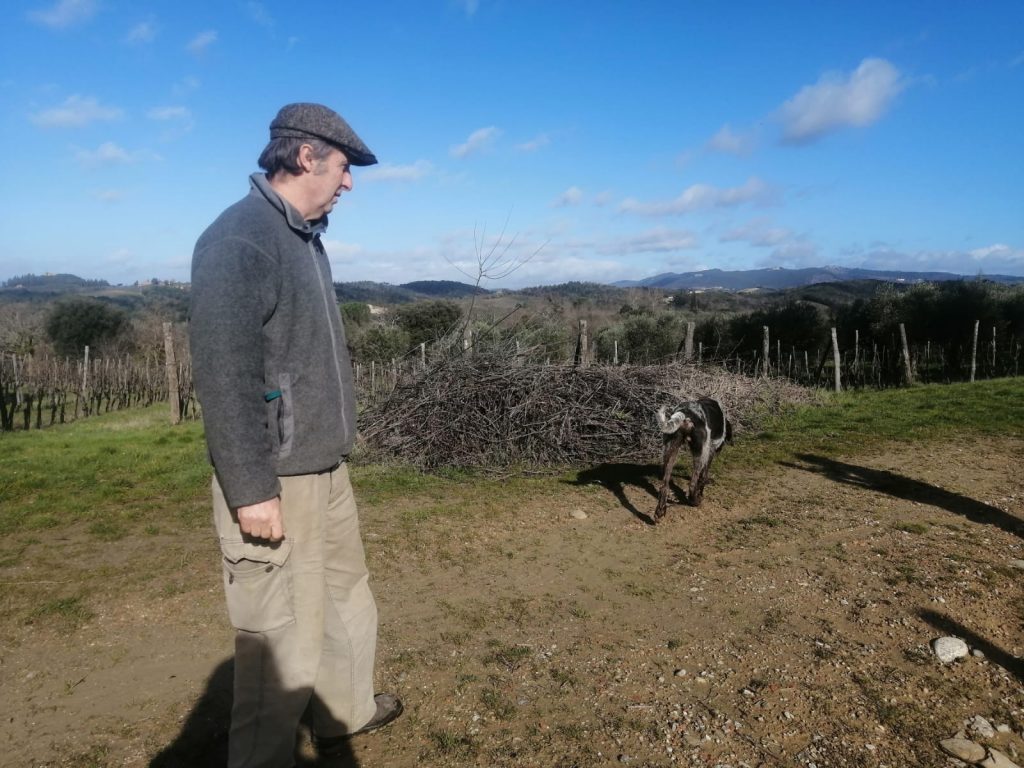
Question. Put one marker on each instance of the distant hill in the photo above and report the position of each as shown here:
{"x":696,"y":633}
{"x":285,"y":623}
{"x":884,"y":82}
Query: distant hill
{"x":22,"y":287}
{"x":780,"y":278}
{"x":370,"y":292}
{"x":444,"y":289}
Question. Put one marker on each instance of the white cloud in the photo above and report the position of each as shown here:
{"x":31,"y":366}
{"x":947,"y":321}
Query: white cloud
{"x":652,"y":241}
{"x":169,"y":113}
{"x":179,"y":119}
{"x":469,"y":7}
{"x":571,"y":196}
{"x":478,"y":141}
{"x":64,"y":14}
{"x":109,"y":195}
{"x":197,"y":45}
{"x":534,"y":144}
{"x":995,"y":259}
{"x":341,"y":253}
{"x":185,"y":87}
{"x":730,"y":142}
{"x":108,"y":154}
{"x":386,"y":172}
{"x":794,"y":254}
{"x":259,"y":14}
{"x":141,"y":33}
{"x":838,"y":101}
{"x":76,"y":111}
{"x":758,"y":232}
{"x":701,"y":197}
{"x":999,"y":257}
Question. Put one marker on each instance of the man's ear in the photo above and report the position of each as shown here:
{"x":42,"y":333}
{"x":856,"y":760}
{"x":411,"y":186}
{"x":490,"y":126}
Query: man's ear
{"x":305,"y":158}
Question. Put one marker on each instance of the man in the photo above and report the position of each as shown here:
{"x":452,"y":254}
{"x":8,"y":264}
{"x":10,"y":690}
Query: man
{"x":274,"y":378}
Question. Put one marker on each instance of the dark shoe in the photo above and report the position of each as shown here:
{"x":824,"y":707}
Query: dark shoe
{"x":389,"y":707}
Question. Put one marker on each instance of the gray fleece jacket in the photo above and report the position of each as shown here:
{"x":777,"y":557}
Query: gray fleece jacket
{"x":269,"y":357}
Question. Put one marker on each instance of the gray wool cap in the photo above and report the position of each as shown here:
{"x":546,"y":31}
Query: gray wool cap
{"x":315,"y":121}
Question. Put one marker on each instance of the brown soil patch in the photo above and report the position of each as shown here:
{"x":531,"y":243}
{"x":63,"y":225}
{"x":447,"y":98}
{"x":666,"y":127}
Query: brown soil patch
{"x":786,"y":622}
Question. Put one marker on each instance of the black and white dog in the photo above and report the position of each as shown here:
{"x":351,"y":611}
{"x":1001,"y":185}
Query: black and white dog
{"x":703,"y":425}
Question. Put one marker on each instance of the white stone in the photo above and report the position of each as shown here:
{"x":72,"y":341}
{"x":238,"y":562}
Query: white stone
{"x":579,"y":514}
{"x":968,"y":751}
{"x":680,"y":673}
{"x":1017,"y":564}
{"x":979,"y":726}
{"x":997,"y":759}
{"x":949,"y":649}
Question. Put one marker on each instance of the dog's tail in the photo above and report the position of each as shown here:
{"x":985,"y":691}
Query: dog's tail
{"x":670,"y":424}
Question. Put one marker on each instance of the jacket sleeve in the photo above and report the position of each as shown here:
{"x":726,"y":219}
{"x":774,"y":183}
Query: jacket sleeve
{"x":234,"y":288}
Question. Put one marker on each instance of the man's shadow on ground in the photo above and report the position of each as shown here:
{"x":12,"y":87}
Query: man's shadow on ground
{"x":902,"y":487}
{"x":617,"y":477}
{"x":203,"y":740}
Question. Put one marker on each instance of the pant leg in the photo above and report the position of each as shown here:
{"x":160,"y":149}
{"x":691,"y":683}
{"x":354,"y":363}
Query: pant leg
{"x":343,"y":696}
{"x":275,"y":596}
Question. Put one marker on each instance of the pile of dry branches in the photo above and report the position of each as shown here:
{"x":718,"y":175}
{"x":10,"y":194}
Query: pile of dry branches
{"x":485,"y":411}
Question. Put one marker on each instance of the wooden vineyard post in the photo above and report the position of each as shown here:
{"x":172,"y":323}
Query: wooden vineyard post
{"x":423,"y":354}
{"x":993,"y":351}
{"x":582,"y":346}
{"x":615,"y":353}
{"x":835,"y":361}
{"x":906,"y":355}
{"x":85,"y":383}
{"x":688,"y":346}
{"x":171,"y":368}
{"x":766,"y":351}
{"x":974,"y":350}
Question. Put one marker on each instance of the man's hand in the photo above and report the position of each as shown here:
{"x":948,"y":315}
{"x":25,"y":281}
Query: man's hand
{"x":262,"y":520}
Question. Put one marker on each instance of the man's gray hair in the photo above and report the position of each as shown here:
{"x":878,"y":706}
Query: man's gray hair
{"x":282,"y":155}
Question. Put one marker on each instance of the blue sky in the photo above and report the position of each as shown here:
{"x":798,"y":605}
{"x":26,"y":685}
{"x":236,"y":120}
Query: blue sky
{"x":597,"y":140}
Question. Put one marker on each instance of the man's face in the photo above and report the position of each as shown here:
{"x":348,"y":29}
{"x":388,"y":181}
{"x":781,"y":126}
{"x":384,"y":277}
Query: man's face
{"x":330,"y":177}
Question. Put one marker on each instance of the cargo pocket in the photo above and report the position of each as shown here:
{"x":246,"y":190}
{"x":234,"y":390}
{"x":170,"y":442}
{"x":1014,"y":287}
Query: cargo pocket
{"x":257,"y":585}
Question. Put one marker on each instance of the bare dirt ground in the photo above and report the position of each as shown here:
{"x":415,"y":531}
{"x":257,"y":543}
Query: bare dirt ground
{"x":787,"y":622}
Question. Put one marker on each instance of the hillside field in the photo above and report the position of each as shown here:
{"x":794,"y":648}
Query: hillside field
{"x":542,"y":620}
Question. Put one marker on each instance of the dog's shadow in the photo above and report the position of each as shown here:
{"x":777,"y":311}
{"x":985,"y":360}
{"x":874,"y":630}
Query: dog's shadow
{"x":617,"y":477}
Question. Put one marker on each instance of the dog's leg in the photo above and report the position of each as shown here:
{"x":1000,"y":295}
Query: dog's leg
{"x":672,"y":445}
{"x":701,"y":461}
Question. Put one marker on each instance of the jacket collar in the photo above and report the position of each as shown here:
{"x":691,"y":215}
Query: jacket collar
{"x":260,"y":186}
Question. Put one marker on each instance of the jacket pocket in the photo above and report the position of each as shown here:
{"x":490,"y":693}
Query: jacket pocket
{"x":257,"y":584}
{"x":281,"y":416}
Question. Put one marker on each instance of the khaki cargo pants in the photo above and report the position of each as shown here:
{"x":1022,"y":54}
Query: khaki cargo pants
{"x":306,"y":621}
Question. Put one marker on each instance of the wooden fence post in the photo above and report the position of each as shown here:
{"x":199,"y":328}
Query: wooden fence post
{"x":974,"y":350}
{"x":582,"y":346}
{"x":688,"y":348}
{"x":423,"y":354}
{"x":835,"y":360}
{"x":767,"y":352}
{"x":615,"y":354}
{"x":993,"y":351}
{"x":906,"y":355}
{"x":85,"y":383}
{"x":171,"y":367}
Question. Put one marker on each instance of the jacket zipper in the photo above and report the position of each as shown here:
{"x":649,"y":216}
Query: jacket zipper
{"x":314,"y":250}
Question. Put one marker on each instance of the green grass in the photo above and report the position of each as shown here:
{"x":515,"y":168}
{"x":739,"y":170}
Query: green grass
{"x":855,"y":422}
{"x":129,"y":472}
{"x":108,"y":472}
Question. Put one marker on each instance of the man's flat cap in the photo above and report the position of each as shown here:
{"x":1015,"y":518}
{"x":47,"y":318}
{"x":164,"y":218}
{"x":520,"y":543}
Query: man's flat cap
{"x":315,"y":121}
